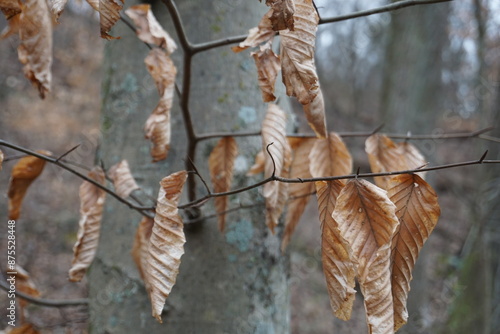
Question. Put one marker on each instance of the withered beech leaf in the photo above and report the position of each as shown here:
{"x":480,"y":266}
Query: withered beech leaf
{"x":57,"y":7}
{"x":339,"y":265}
{"x":35,"y":49}
{"x":122,"y":178}
{"x":157,"y":127}
{"x":297,"y":54}
{"x":258,"y":35}
{"x":258,"y":166}
{"x":330,"y":157}
{"x":315,"y":115}
{"x":221,"y":165}
{"x":109,"y":14}
{"x":12,"y":10}
{"x":413,"y":157}
{"x":148,"y":28}
{"x":283,"y":14}
{"x":418,"y":211}
{"x":140,"y":250}
{"x":366,"y":218}
{"x":24,"y":172}
{"x":268,"y":66}
{"x":166,"y":242}
{"x":91,"y":206}
{"x":273,"y":131}
{"x":299,"y":193}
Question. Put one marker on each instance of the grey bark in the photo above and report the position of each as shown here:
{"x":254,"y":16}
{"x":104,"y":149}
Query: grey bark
{"x":234,"y":282}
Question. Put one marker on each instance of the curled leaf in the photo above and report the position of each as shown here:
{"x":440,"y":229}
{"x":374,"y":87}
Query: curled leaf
{"x":268,"y":66}
{"x":258,"y":35}
{"x":157,"y":127}
{"x":35,"y":50}
{"x":140,"y":250}
{"x":418,"y":211}
{"x":221,"y":165}
{"x":148,"y":28}
{"x":109,"y":14}
{"x":299,"y":193}
{"x":283,"y":14}
{"x":166,"y":242}
{"x":274,"y":140}
{"x":315,"y":115}
{"x":91,"y":207}
{"x":258,"y":166}
{"x":23,"y":174}
{"x":122,"y":178}
{"x":297,"y":54}
{"x":367,"y":219}
{"x":330,"y":157}
{"x":339,"y":265}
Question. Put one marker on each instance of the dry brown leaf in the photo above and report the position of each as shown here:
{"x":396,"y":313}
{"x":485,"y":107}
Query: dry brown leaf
{"x":122,"y":178}
{"x":283,"y":14}
{"x":258,"y":35}
{"x":35,"y":50}
{"x":315,"y":115}
{"x":1,"y":159}
{"x":57,"y":7}
{"x":109,"y":14}
{"x":297,"y":54}
{"x":330,"y":157}
{"x":339,"y":265}
{"x":221,"y":165}
{"x":22,"y":175}
{"x":91,"y":207}
{"x":12,"y":10}
{"x":299,"y":193}
{"x":157,"y":127}
{"x":268,"y":66}
{"x":148,"y":28}
{"x":273,"y":131}
{"x":26,"y":328}
{"x":166,"y":242}
{"x":140,"y":250}
{"x":367,"y":219}
{"x":414,"y":159}
{"x":258,"y":166}
{"x":418,"y":211}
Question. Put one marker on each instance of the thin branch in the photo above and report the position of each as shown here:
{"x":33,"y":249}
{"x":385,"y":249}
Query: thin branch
{"x":383,"y":9}
{"x":45,"y":302}
{"x":141,"y":209}
{"x":67,"y":152}
{"x":207,"y":188}
{"x":272,"y":159}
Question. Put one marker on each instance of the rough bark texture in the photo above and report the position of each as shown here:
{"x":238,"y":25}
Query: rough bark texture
{"x":234,"y":282}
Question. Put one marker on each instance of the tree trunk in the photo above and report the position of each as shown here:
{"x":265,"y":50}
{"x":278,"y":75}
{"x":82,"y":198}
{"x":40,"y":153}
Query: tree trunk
{"x":234,"y":282}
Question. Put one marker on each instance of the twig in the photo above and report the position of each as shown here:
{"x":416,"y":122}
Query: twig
{"x":46,"y":302}
{"x":67,"y":152}
{"x":272,"y":159}
{"x":199,"y":175}
{"x":141,"y":209}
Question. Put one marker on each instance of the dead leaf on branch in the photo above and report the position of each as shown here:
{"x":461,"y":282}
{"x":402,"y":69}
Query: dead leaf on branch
{"x":261,"y":34}
{"x":35,"y":50}
{"x":299,"y":193}
{"x":412,"y":156}
{"x":157,"y":127}
{"x":122,"y":178}
{"x":274,"y":131}
{"x":367,"y":219}
{"x":283,"y":14}
{"x":297,"y":54}
{"x":221,"y":166}
{"x":339,"y":265}
{"x":148,"y":28}
{"x":140,"y":250}
{"x":166,"y":242}
{"x":91,"y":207}
{"x":315,"y":115}
{"x":268,"y":66}
{"x":23,"y":174}
{"x":418,"y":211}
{"x":109,"y":14}
{"x":330,"y":157}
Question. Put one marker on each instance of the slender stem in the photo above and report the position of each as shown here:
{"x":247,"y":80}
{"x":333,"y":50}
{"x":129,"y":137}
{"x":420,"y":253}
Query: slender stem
{"x":46,"y":302}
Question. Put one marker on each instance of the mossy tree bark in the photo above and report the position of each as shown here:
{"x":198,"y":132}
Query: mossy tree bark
{"x":234,"y":282}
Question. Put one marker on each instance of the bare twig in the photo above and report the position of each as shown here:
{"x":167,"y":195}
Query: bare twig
{"x":67,"y":152}
{"x":46,"y":302}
